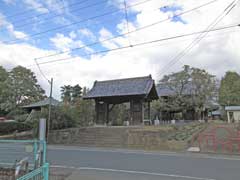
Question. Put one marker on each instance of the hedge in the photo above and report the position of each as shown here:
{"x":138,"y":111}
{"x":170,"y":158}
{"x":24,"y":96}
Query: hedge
{"x":10,"y":127}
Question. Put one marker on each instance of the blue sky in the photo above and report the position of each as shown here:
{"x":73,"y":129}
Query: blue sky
{"x":35,"y":21}
{"x":31,"y":19}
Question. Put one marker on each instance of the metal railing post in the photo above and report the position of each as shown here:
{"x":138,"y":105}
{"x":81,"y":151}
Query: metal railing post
{"x":35,"y":151}
{"x":46,"y":171}
{"x":44,"y":151}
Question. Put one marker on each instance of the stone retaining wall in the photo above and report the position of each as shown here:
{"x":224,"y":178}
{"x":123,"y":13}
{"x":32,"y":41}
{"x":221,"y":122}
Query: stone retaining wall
{"x":117,"y":137}
{"x":19,"y":136}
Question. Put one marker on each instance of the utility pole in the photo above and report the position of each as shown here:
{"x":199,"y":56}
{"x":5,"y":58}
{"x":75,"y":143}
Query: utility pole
{"x":49,"y":108}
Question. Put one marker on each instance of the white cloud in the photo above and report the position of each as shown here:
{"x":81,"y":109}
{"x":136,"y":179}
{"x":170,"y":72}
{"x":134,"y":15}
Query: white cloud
{"x":20,"y":35}
{"x":39,"y":7}
{"x":72,"y":35}
{"x":87,"y":33}
{"x":65,"y":43}
{"x":62,"y":20}
{"x":105,"y":34}
{"x":9,"y":1}
{"x":58,"y":6}
{"x":16,"y":34}
{"x":10,"y":28}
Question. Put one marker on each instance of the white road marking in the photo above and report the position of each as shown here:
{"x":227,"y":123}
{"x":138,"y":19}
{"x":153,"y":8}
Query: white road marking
{"x":170,"y":154}
{"x":132,"y":172}
{"x":7,"y":164}
{"x":11,"y":164}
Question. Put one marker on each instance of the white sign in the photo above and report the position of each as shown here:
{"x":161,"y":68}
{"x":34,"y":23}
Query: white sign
{"x":42,"y":129}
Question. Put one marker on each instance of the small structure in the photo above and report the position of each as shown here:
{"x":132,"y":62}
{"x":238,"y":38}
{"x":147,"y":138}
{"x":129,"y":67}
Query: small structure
{"x":138,"y":91}
{"x":41,"y":104}
{"x":215,"y":115}
{"x":233,"y":114}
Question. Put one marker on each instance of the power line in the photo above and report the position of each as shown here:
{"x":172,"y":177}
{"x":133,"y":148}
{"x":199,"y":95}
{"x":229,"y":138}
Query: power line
{"x":57,"y":15}
{"x":41,"y":72}
{"x":75,"y":23}
{"x":180,"y":55}
{"x":123,"y":34}
{"x":40,"y":7}
{"x":143,"y":43}
{"x":163,"y":43}
{"x":127,"y":23}
{"x":102,"y":23}
{"x":198,"y":39}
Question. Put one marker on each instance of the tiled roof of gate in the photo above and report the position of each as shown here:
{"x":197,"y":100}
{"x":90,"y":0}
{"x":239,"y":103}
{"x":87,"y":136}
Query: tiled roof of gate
{"x":121,"y":87}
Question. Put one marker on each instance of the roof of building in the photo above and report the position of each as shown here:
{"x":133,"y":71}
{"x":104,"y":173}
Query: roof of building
{"x":164,"y":90}
{"x":122,"y":87}
{"x":43,"y":103}
{"x":216,"y":113}
{"x":232,"y":108}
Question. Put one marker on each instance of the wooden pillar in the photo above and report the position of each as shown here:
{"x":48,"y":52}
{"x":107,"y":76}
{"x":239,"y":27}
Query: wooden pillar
{"x":107,"y":113}
{"x":228,"y":117}
{"x":131,"y":112}
{"x":149,"y":110}
{"x":96,"y":111}
{"x":142,"y":109}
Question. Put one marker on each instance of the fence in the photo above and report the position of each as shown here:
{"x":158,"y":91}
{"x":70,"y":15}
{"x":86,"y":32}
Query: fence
{"x":37,"y":174}
{"x":23,"y":160}
{"x":221,"y":138}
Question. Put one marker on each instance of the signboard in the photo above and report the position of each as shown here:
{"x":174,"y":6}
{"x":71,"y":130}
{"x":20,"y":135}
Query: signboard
{"x":42,"y":129}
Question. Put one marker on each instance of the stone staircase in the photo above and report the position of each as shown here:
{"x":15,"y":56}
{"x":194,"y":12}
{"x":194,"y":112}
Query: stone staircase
{"x":101,"y":137}
{"x":92,"y":137}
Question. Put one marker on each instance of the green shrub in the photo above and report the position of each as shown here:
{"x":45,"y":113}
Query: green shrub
{"x":10,"y":127}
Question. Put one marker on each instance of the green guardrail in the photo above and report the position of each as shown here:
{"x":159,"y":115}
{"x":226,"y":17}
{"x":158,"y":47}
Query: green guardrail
{"x":41,"y":173}
{"x":36,"y":145}
{"x":40,"y":168}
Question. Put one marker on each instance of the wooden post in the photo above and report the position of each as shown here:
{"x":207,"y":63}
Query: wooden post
{"x":96,"y":110}
{"x":131,"y":112}
{"x":142,"y":109}
{"x":107,"y":113}
{"x":149,"y":112}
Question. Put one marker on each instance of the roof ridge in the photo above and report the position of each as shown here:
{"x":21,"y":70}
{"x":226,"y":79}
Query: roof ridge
{"x":149,"y":76}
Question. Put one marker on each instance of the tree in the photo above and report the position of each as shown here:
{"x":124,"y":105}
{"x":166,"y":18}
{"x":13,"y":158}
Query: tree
{"x":191,"y":87}
{"x":76,"y":93}
{"x":85,"y":112}
{"x":229,"y":92}
{"x":204,"y":89}
{"x":71,"y":94}
{"x":178,"y":83}
{"x":82,"y":111}
{"x":66,"y":94}
{"x":23,"y":88}
{"x":3,"y":89}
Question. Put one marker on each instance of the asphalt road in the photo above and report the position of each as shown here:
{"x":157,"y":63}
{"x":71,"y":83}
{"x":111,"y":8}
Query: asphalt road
{"x":123,"y":164}
{"x":105,"y":164}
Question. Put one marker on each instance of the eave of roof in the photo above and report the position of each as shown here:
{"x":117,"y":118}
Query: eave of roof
{"x":232,"y":108}
{"x":42,"y":103}
{"x":138,"y":86}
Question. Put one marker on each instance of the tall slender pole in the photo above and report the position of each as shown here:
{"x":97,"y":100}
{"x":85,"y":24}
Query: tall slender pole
{"x":49,"y":109}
